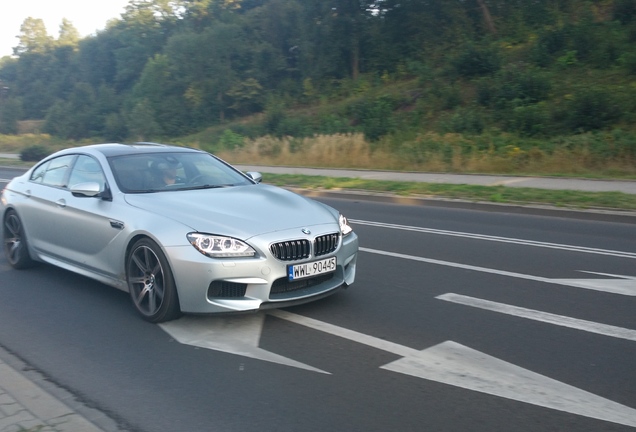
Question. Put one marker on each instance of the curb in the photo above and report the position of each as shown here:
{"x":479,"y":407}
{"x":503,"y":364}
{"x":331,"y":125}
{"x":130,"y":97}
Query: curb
{"x":601,"y":215}
{"x":31,"y":403}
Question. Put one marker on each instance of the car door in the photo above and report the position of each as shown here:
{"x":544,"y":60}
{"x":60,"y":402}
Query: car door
{"x":89,"y":223}
{"x":81,"y":227}
{"x":40,"y":211}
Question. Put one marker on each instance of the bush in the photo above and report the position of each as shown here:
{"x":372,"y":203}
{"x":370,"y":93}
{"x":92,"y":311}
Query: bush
{"x":592,"y":109}
{"x":625,"y":11}
{"x":375,"y":116}
{"x":230,"y":140}
{"x":448,"y":96}
{"x":530,"y":120}
{"x":628,"y":61}
{"x":517,"y":84}
{"x":34,"y":153}
{"x":547,"y":46}
{"x":464,"y":120}
{"x":330,"y":123}
{"x":473,"y":61}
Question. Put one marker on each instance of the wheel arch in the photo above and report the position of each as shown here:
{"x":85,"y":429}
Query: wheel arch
{"x":176,"y":311}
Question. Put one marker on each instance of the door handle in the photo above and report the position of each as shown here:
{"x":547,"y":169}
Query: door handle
{"x":61,"y":202}
{"x":117,"y":224}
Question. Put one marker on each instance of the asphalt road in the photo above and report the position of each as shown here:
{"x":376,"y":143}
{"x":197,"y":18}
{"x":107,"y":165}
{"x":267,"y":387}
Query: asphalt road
{"x":460,"y":320}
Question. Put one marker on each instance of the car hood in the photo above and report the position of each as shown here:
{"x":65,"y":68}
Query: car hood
{"x":240,"y":211}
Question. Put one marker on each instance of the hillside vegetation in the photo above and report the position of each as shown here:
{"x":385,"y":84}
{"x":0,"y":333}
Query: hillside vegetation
{"x":516,"y":86}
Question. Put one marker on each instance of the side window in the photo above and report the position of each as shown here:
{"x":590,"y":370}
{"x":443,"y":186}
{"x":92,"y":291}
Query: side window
{"x":86,"y":170}
{"x":54,"y":172}
{"x":38,"y":174}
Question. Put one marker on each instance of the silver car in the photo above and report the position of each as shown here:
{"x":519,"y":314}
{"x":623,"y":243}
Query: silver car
{"x":179,"y":229}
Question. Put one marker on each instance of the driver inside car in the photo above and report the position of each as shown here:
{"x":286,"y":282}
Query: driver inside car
{"x":168,"y":173}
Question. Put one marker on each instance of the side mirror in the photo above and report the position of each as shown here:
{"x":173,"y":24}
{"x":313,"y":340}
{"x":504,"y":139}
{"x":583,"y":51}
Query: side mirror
{"x":256,"y":176}
{"x":91,"y":190}
{"x":88,"y":189}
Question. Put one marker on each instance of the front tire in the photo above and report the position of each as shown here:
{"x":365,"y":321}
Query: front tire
{"x":16,"y":247}
{"x":151,"y":283}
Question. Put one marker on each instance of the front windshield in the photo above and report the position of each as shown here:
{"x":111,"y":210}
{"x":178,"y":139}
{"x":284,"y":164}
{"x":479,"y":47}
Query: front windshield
{"x":157,"y":172}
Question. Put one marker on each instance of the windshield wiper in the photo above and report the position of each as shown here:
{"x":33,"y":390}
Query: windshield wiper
{"x":208,"y":186}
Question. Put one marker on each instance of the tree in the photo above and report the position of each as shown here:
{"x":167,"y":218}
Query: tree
{"x":33,"y":37}
{"x":159,"y":89}
{"x":210,"y":64}
{"x":490,"y":24}
{"x":141,"y":122}
{"x":10,"y":111}
{"x":142,"y":32}
{"x":76,"y":117}
{"x":69,"y":36}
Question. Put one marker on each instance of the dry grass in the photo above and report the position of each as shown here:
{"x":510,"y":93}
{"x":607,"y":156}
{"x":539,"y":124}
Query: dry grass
{"x":15,"y":143}
{"x":430,"y":153}
{"x":30,"y":126}
{"x":350,"y":151}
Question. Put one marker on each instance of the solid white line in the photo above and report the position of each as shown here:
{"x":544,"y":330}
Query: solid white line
{"x":604,"y":285}
{"x":563,"y":321}
{"x":522,"y":242}
{"x":458,"y":265}
{"x":344,"y":333}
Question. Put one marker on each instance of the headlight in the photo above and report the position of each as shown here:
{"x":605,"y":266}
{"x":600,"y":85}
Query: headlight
{"x":345,"y":228}
{"x":220,"y":247}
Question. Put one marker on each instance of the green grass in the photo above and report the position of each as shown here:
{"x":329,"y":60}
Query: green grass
{"x":495,"y":194}
{"x":475,"y":193}
{"x":15,"y":163}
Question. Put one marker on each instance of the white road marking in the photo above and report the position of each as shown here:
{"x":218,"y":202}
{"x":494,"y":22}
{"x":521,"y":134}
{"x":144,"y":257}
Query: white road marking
{"x":238,"y":335}
{"x":344,"y":333}
{"x":457,"y":365}
{"x":523,"y":242}
{"x":460,"y":366}
{"x":449,"y":363}
{"x":563,"y":321}
{"x":625,"y":285}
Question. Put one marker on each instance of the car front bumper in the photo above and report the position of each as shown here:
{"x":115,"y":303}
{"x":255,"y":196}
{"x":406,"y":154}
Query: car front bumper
{"x":207,"y":285}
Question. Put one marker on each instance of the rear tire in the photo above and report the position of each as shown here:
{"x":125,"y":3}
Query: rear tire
{"x":151,"y":283}
{"x":16,"y":247}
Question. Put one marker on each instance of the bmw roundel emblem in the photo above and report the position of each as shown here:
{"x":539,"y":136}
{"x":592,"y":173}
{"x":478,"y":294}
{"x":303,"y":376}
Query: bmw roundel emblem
{"x":306,"y":231}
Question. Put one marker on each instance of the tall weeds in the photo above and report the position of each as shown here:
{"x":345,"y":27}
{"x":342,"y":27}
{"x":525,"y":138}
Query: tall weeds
{"x":599,"y":155}
{"x":602,"y":154}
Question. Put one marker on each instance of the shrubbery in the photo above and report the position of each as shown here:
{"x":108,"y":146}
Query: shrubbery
{"x":475,"y":61}
{"x":513,"y":86}
{"x":34,"y":153}
{"x":592,"y":109}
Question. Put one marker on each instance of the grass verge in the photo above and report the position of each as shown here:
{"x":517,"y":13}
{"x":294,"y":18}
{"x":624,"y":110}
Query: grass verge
{"x":495,"y":194}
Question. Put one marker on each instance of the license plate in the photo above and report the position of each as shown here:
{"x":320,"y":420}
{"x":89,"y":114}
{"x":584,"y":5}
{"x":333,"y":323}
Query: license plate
{"x":302,"y":271}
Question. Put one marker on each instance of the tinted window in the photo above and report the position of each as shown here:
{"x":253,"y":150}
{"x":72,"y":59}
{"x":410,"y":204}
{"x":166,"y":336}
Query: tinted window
{"x":155,"y":172}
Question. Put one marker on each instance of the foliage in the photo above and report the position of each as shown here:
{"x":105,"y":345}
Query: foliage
{"x":33,"y":37}
{"x":472,"y":61}
{"x":222,"y":71}
{"x":592,"y":108}
{"x":374,"y":115}
{"x":34,"y":153}
{"x":566,"y":199}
